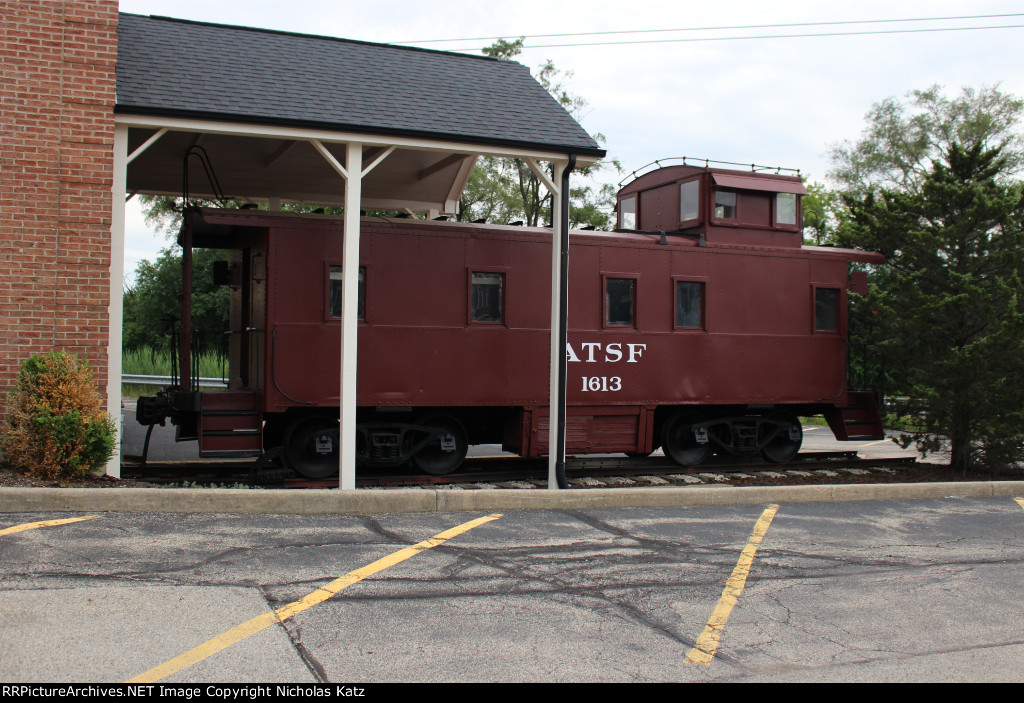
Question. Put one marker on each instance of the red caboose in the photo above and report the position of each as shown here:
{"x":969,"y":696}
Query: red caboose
{"x":702,"y":324}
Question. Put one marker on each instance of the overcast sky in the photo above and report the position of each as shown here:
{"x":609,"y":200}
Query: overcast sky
{"x":774,"y":101}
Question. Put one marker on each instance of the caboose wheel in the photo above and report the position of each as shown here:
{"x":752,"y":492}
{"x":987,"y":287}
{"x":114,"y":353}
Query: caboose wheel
{"x":782,"y":437}
{"x":446,"y":450}
{"x":680,"y":441}
{"x":311,"y":446}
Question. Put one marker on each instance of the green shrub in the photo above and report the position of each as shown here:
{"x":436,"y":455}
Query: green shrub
{"x":55,"y":426}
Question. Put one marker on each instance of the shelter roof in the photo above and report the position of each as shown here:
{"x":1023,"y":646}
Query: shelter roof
{"x":177,"y":68}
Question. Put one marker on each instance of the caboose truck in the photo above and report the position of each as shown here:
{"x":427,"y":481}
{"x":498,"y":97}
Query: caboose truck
{"x":702,"y":324}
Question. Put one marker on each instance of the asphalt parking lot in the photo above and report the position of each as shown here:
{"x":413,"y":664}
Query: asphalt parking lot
{"x":885,"y":590}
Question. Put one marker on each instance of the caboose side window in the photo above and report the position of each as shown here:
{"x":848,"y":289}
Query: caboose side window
{"x":785,"y":208}
{"x":690,"y":304}
{"x":826,"y":309}
{"x":689,"y":201}
{"x":334,"y":293}
{"x":627,"y":213}
{"x":619,"y":301}
{"x":725,"y":205}
{"x":487,"y":294}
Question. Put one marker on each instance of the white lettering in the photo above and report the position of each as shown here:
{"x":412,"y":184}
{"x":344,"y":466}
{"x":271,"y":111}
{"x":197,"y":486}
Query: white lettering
{"x":635,"y":352}
{"x":602,"y":383}
{"x":613,"y":352}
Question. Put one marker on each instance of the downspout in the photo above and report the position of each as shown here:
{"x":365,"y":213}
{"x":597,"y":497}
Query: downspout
{"x":563,"y":323}
{"x":185,"y":330}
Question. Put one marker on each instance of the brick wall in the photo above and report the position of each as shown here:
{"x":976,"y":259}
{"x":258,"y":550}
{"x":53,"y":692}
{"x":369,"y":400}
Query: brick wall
{"x":57,"y":85}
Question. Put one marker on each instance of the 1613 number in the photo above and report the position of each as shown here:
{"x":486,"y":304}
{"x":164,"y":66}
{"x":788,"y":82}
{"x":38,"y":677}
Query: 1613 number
{"x":602,"y":383}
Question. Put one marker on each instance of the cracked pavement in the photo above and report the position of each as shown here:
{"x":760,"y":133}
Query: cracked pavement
{"x":924,"y":590}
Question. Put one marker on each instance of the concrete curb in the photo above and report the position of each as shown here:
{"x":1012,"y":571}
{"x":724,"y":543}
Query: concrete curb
{"x":373,"y":502}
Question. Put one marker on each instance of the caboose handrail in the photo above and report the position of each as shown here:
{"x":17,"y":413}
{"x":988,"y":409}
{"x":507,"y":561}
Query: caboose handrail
{"x":706,"y":163}
{"x":165,"y":381}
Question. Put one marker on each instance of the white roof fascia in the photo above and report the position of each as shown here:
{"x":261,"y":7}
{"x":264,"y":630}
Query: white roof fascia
{"x":178,"y":124}
{"x":318,"y":201}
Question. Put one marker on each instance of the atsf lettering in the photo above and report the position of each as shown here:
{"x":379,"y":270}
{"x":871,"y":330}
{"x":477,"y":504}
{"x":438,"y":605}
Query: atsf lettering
{"x":610,"y":353}
{"x":592,"y":352}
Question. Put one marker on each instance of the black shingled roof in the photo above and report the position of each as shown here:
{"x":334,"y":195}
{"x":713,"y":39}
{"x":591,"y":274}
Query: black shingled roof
{"x":178,"y":68}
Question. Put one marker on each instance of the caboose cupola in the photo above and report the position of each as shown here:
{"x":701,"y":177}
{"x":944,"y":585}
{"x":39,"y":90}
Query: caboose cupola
{"x":757,"y":206}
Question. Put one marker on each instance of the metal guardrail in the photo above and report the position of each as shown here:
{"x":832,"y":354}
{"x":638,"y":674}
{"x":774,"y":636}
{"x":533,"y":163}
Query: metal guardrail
{"x":141,"y":380}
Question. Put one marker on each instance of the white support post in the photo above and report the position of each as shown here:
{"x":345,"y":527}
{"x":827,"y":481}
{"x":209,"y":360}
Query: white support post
{"x":353,"y":172}
{"x":349,"y":319}
{"x":118,"y":188}
{"x":556,"y":432}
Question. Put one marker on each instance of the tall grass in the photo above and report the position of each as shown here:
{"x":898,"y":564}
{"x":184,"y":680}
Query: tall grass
{"x":149,"y":362}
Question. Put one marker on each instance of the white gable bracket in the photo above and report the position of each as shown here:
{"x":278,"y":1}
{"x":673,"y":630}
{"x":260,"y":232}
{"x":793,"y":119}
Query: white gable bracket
{"x":543,"y":176}
{"x":377,"y":160}
{"x":146,"y":144}
{"x":279,"y":153}
{"x":335,"y":164}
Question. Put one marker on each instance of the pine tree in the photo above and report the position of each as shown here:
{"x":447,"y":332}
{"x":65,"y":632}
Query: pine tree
{"x":950,"y":304}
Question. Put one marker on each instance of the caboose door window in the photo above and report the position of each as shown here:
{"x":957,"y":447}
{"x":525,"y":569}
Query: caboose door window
{"x":334,"y":293}
{"x":619,"y":301}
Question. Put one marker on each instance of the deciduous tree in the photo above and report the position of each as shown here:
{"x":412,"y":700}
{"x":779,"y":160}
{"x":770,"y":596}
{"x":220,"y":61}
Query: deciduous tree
{"x":506,"y":190}
{"x":903,"y":139}
{"x":152,"y":305}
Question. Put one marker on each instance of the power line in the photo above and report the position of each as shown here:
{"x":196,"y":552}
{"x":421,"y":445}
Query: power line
{"x":762,"y":36}
{"x":706,"y":29}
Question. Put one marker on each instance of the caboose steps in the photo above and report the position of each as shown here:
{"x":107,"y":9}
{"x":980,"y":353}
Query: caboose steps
{"x":857,"y":421}
{"x":230,"y":422}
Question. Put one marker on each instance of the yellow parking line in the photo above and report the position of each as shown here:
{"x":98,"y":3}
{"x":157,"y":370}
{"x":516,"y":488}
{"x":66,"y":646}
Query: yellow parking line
{"x":871,"y":444}
{"x":262,"y":622}
{"x":1020,"y":502}
{"x":44,"y":523}
{"x":704,"y":649}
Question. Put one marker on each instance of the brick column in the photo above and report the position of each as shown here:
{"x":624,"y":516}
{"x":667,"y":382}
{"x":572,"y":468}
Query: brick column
{"x":57,"y":92}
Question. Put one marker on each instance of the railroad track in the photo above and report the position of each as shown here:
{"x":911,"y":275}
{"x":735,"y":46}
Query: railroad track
{"x":617,"y":471}
{"x":516,"y":472}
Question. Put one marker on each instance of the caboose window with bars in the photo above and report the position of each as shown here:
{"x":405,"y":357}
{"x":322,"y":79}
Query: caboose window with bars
{"x":619,"y":301}
{"x":487,"y":297}
{"x":689,"y":304}
{"x":334,"y":293}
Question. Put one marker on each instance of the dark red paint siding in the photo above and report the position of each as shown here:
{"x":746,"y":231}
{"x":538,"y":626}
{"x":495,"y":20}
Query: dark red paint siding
{"x":418,"y":348}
